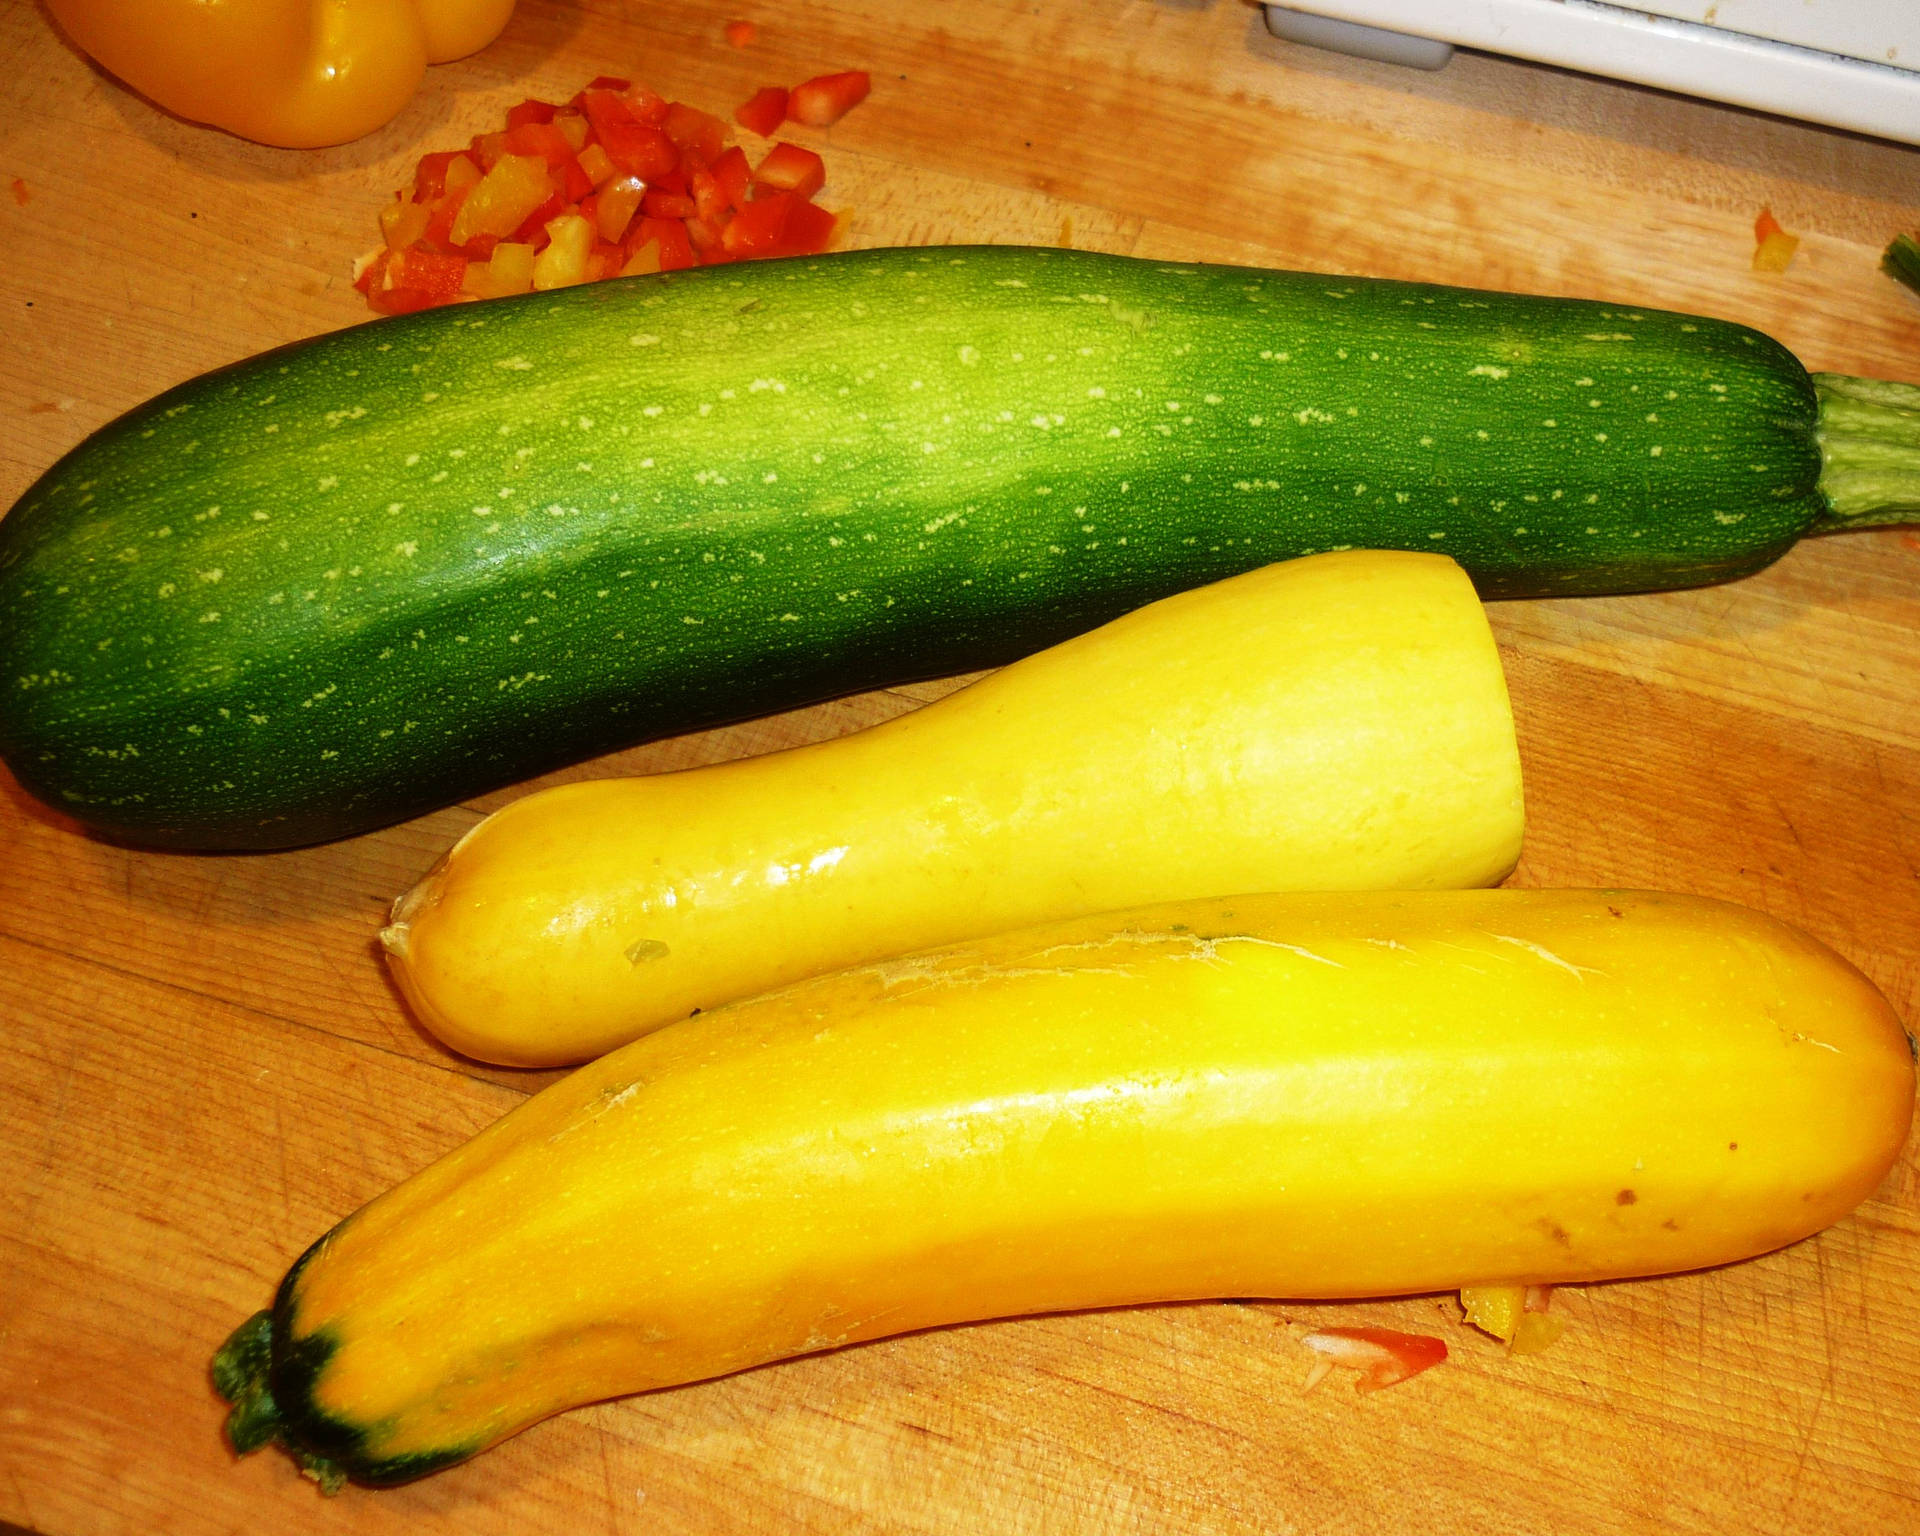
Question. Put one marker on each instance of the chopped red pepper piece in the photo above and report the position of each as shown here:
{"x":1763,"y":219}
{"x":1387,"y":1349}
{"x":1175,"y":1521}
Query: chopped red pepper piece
{"x":647,"y":105}
{"x":638,"y":148}
{"x":487,"y":148}
{"x":676,"y":249}
{"x":668,"y":205}
{"x":1382,"y":1356}
{"x":791,"y":168}
{"x":530,"y":111}
{"x":542,"y":139}
{"x":701,"y":132}
{"x":742,"y":33}
{"x":732,"y":175}
{"x":763,"y":112}
{"x":430,"y":177}
{"x":809,"y":230}
{"x":760,"y":228}
{"x":609,"y":83}
{"x":605,"y":260}
{"x":399,"y":282}
{"x":533,"y":229}
{"x":439,"y":231}
{"x":826,"y":99}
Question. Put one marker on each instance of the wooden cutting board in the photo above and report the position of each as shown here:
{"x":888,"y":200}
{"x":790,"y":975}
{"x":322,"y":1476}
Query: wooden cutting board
{"x":202,"y":1064}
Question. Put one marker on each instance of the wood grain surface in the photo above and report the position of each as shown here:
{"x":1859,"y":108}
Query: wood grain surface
{"x":205,"y":1065}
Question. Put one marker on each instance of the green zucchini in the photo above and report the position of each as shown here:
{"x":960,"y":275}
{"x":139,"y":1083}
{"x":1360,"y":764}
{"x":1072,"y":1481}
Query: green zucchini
{"x":357,"y":578}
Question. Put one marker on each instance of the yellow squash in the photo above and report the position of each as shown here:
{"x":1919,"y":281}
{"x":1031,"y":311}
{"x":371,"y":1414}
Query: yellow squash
{"x":1337,"y":722}
{"x":1293,"y":1095}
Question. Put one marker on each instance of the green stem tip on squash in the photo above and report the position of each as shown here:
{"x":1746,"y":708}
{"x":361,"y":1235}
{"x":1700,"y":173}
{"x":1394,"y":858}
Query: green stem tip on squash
{"x":240,"y":1371}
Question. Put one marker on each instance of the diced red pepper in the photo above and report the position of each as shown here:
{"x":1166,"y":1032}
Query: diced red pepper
{"x":430,"y":177}
{"x":428,"y":271}
{"x":604,"y":260}
{"x":533,"y":229}
{"x":575,"y":183}
{"x":693,"y":129}
{"x":372,"y":271}
{"x":732,"y":175}
{"x":1382,"y":1356}
{"x":530,"y":111}
{"x":676,"y":250}
{"x":741,"y":33}
{"x":542,"y":139}
{"x":638,"y":148}
{"x":399,"y":282}
{"x":606,"y":110}
{"x":487,"y":148}
{"x":439,"y":232}
{"x":668,"y":205}
{"x":759,"y":228}
{"x":791,"y":168}
{"x":709,"y":200}
{"x":705,"y":237}
{"x":763,"y":112}
{"x":826,"y":99}
{"x":624,"y":181}
{"x":648,"y":106}
{"x":810,"y":230}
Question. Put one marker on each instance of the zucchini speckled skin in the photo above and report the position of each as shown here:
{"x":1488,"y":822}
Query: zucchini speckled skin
{"x":354,"y":579}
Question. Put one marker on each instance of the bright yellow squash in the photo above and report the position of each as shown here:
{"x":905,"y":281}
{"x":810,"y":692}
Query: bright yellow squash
{"x":1293,"y":1095}
{"x":1338,"y":722}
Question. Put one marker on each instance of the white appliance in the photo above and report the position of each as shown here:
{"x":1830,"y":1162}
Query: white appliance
{"x":1847,"y":63}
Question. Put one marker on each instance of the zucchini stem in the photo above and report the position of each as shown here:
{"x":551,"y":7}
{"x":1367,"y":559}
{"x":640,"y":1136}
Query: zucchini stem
{"x":1901,"y":261}
{"x":1869,"y":434}
{"x":240,"y":1370}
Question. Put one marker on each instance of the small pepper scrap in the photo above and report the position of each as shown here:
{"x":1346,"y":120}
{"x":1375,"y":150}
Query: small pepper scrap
{"x":290,"y":73}
{"x":1773,"y":247}
{"x":1514,"y":1314}
{"x":1382,"y":1356}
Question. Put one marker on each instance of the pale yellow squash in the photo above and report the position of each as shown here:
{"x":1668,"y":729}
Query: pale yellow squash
{"x":1292,"y":1096}
{"x":1338,"y":722}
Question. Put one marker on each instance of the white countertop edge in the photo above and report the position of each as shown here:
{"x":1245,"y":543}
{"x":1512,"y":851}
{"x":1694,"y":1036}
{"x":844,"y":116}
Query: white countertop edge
{"x":1682,"y":56}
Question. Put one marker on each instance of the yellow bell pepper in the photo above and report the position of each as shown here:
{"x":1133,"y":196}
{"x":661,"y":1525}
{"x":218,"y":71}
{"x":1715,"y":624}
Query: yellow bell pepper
{"x":294,"y":73}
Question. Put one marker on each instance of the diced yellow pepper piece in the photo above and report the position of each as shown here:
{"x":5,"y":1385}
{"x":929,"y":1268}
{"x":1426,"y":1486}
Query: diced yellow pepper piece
{"x":404,"y":221}
{"x":564,"y":261}
{"x":644,"y":261}
{"x":1534,"y":1331}
{"x":463,"y":171}
{"x":504,"y":197}
{"x":619,"y":201}
{"x":597,"y":164}
{"x":1775,"y":251}
{"x":1495,"y":1309}
{"x":509,"y":270}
